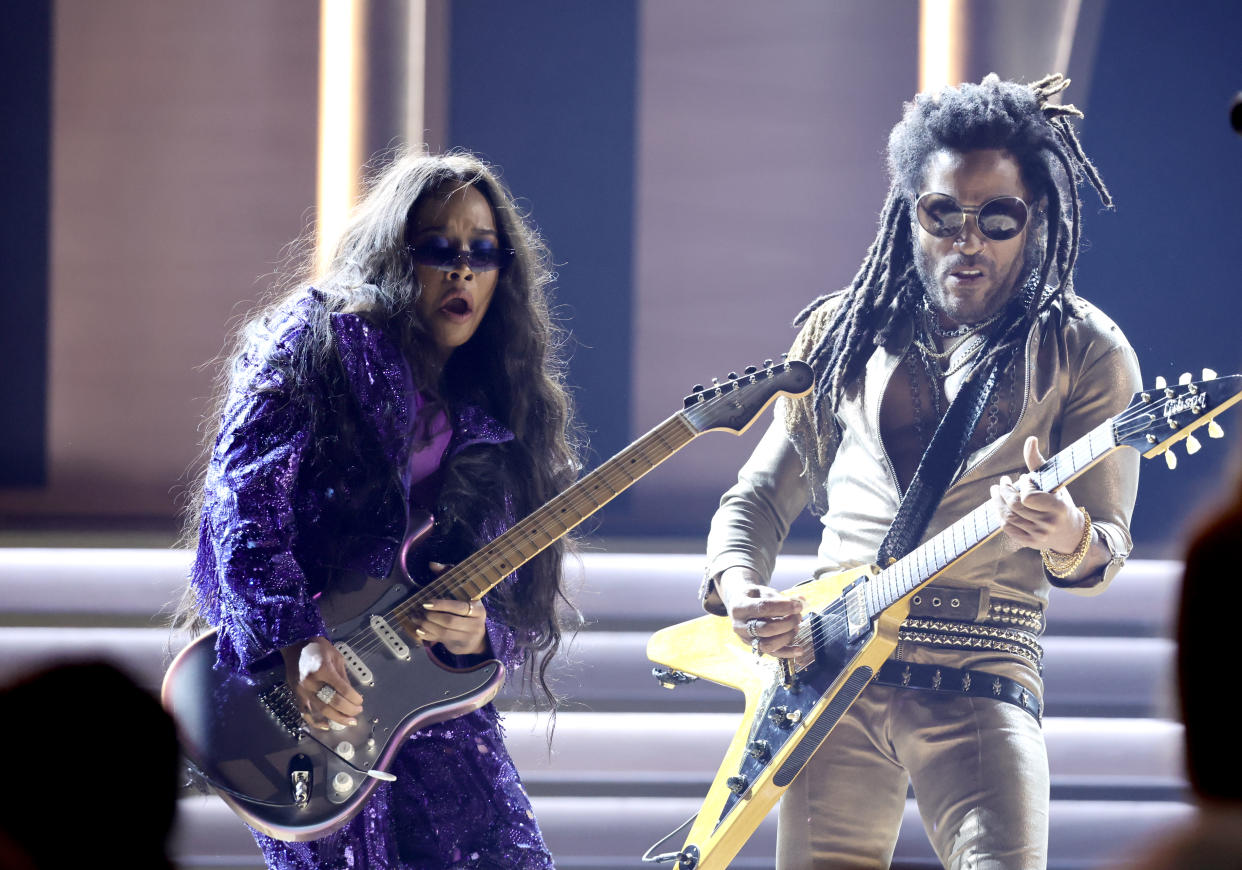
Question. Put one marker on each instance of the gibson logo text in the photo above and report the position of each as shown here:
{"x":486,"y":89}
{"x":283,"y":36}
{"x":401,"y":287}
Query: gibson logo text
{"x":1195,"y":403}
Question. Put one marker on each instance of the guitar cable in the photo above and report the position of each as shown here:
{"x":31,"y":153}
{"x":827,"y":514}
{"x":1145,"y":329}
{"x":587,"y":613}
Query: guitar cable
{"x":667,"y":857}
{"x":217,"y":786}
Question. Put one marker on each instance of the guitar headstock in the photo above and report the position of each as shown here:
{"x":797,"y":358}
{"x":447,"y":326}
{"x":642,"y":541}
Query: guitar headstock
{"x":1158,"y":418}
{"x":733,"y":404}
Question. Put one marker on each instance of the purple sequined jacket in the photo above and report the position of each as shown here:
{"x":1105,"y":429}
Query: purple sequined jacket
{"x":286,"y":505}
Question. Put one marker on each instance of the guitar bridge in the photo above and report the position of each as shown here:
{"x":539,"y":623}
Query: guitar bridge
{"x":789,"y":676}
{"x":278,"y":701}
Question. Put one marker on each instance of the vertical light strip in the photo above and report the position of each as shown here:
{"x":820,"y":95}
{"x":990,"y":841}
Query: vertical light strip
{"x":1065,"y":42}
{"x":940,"y":44}
{"x":340,"y":34}
{"x":416,"y":75}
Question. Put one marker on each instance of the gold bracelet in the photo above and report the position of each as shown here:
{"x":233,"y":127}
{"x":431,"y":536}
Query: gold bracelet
{"x":1062,"y":565}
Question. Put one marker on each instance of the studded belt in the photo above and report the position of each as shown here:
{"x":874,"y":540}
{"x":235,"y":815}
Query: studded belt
{"x":962,"y":605}
{"x":957,"y":681}
{"x":950,"y":634}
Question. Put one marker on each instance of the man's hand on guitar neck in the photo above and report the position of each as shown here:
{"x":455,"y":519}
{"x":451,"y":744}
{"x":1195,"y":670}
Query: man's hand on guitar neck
{"x":759,"y":612}
{"x":1044,"y":520}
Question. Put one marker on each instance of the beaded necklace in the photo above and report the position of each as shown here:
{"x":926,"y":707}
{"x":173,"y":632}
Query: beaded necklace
{"x":937,"y":366}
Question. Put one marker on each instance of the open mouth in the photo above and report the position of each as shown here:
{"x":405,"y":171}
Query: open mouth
{"x":458,"y":306}
{"x":966,"y":274}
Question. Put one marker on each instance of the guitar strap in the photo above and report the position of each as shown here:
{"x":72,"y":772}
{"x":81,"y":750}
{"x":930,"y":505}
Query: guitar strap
{"x":940,"y":460}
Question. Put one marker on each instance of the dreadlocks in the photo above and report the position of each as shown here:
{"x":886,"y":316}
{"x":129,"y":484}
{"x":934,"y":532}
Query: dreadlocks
{"x":1018,"y":119}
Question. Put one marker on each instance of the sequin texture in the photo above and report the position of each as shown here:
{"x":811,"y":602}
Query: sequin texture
{"x":285,"y":506}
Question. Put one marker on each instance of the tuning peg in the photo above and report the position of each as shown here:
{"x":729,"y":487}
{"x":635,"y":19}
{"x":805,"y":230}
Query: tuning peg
{"x":1192,"y":445}
{"x":1209,"y":374}
{"x":767,"y":363}
{"x":1170,"y":459}
{"x":1161,"y":383}
{"x":1214,"y":430}
{"x":697,"y":388}
{"x":733,"y":376}
{"x":750,"y":370}
{"x":1185,"y":378}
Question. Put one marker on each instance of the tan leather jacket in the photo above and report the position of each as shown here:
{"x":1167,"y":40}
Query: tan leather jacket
{"x":1080,"y":370}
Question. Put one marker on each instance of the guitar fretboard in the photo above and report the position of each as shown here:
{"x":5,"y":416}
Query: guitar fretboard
{"x":484,"y":569}
{"x":935,"y":554}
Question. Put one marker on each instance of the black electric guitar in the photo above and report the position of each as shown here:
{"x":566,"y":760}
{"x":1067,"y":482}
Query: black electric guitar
{"x":244,"y":733}
{"x":851,"y":629}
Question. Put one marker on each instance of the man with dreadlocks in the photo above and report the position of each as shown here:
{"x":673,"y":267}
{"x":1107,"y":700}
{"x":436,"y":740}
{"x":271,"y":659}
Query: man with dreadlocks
{"x":956,"y":359}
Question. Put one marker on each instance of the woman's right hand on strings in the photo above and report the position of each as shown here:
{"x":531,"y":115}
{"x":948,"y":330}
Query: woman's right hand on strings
{"x":763,"y":618}
{"x":316,"y":669}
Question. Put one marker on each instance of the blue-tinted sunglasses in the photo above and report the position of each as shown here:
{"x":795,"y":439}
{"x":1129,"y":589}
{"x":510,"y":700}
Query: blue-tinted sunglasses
{"x":444,"y":254}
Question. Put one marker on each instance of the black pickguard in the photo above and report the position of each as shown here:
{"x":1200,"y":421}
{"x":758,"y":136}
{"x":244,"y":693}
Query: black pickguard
{"x":787,"y":704}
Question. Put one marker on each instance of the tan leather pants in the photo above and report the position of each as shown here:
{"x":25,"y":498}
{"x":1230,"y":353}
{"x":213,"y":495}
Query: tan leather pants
{"x":979,"y":770}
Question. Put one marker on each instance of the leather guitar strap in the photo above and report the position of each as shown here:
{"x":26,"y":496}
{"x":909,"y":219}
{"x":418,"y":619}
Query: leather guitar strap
{"x":938,"y":464}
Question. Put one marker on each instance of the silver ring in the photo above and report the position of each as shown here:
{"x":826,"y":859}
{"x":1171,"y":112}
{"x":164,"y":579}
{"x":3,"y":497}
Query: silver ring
{"x":469,"y":607}
{"x":754,"y":645}
{"x":752,"y":628}
{"x":326,"y":693}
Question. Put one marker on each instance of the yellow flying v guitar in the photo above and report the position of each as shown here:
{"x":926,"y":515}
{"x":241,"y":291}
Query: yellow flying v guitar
{"x":851,"y":628}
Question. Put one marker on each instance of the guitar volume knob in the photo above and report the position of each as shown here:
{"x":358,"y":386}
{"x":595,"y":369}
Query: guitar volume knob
{"x":760,"y":750}
{"x":738,"y":784}
{"x":782,"y":718}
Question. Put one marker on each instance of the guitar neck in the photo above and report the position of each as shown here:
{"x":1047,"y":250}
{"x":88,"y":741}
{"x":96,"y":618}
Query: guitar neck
{"x":937,"y":553}
{"x":474,"y":576}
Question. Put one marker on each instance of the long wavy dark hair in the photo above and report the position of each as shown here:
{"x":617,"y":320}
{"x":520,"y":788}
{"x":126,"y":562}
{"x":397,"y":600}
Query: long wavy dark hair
{"x":512,"y":367}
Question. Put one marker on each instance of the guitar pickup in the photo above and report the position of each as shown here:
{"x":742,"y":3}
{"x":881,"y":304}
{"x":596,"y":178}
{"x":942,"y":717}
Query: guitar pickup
{"x":857,"y":619}
{"x":671,"y":679}
{"x":388,"y":637}
{"x":356,"y":665}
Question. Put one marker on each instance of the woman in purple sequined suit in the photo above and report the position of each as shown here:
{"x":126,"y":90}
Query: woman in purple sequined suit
{"x":420,"y":372}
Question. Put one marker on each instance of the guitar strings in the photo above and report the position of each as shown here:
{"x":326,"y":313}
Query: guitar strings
{"x":504,"y":554}
{"x":460,"y":577}
{"x":1123,"y":424}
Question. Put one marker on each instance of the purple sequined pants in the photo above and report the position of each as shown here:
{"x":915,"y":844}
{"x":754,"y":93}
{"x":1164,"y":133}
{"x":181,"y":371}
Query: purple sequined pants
{"x":457,"y":803}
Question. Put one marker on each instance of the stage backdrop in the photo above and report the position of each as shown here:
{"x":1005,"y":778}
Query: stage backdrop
{"x":701,"y":170}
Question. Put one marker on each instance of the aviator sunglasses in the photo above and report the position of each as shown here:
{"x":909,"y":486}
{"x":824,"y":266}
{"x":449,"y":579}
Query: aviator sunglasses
{"x":441,"y":253}
{"x":999,"y":219}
